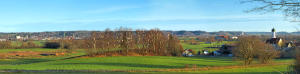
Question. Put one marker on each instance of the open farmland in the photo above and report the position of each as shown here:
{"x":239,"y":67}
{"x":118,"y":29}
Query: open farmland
{"x":213,"y":46}
{"x":204,"y":46}
{"x":149,"y":37}
{"x":131,"y":64}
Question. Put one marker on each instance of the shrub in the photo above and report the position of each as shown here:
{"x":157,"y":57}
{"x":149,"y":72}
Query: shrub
{"x":265,"y":56}
{"x":247,"y":48}
{"x":250,"y":47}
{"x":5,"y":44}
{"x":53,"y":45}
{"x":296,"y":67}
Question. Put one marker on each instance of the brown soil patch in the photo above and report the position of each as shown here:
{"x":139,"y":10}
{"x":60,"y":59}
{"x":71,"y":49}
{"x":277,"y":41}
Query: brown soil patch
{"x":22,"y":54}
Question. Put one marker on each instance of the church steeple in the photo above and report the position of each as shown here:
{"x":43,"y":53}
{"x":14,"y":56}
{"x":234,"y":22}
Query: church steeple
{"x":273,"y":33}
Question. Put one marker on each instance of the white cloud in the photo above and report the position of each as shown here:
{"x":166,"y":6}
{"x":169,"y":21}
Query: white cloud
{"x":109,"y":9}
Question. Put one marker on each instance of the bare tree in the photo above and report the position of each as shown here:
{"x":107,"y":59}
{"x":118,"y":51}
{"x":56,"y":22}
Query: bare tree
{"x":127,"y":42}
{"x":247,"y":48}
{"x":250,"y":47}
{"x":290,"y":8}
{"x":92,"y":44}
{"x":109,"y":40}
{"x":140,"y":34}
{"x":267,"y":54}
{"x":297,"y":63}
{"x":126,"y":39}
{"x":174,"y":46}
{"x":28,"y":44}
{"x":156,"y":42}
{"x":5,"y":44}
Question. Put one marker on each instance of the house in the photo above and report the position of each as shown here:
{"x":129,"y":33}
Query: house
{"x":205,"y":52}
{"x":19,"y":37}
{"x":234,"y":37}
{"x":289,"y":44}
{"x":187,"y":53}
{"x":225,"y":50}
{"x":222,"y":37}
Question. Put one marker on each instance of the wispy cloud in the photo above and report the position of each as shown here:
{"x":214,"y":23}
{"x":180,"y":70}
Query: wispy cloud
{"x":109,"y":9}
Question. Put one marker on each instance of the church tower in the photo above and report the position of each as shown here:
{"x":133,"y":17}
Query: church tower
{"x":273,"y":33}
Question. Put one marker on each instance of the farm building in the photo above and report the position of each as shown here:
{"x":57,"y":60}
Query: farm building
{"x":187,"y":53}
{"x":225,"y":50}
{"x":222,"y":37}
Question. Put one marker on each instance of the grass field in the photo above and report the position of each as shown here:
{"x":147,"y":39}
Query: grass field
{"x":127,"y":64}
{"x":31,"y":49}
{"x":204,"y":46}
{"x":19,"y":43}
{"x":110,"y":63}
{"x":262,"y":70}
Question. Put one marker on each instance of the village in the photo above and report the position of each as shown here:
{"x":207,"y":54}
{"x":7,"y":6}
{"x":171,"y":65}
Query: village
{"x":226,"y":49}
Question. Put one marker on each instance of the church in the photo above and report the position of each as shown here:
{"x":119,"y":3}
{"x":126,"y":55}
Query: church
{"x":275,"y":41}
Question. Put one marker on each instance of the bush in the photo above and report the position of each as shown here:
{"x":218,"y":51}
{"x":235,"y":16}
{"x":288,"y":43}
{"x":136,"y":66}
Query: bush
{"x":265,"y":56}
{"x":53,"y":45}
{"x":247,"y":48}
{"x":28,"y":45}
{"x":250,"y":47}
{"x":5,"y":44}
{"x":296,"y":67}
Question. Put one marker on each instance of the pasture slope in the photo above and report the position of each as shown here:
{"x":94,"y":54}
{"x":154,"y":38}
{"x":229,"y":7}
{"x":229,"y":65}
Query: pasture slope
{"x":36,"y":64}
{"x":135,"y":65}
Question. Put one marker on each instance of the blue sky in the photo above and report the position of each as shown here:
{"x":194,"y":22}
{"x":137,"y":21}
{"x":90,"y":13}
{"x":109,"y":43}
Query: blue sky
{"x":206,"y":15}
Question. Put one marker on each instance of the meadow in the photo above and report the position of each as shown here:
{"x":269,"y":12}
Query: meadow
{"x":127,"y":64}
{"x":76,"y":63}
{"x":204,"y":46}
{"x":211,"y":46}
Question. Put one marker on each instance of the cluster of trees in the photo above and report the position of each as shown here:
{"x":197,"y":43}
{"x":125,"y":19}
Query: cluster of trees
{"x":28,"y":44}
{"x":296,"y":67}
{"x":206,"y":38}
{"x":69,"y":44}
{"x":17,"y":44}
{"x":123,"y":41}
{"x":252,"y":47}
{"x":141,"y":42}
{"x":5,"y":44}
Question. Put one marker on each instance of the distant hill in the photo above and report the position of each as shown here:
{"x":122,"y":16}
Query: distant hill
{"x":83,"y":34}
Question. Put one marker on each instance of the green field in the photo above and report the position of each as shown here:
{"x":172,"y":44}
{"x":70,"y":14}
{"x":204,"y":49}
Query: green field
{"x":19,"y":43}
{"x":31,"y":49}
{"x":204,"y":46}
{"x":119,"y":63}
{"x":262,"y":70}
{"x":126,"y":64}
{"x":129,"y":63}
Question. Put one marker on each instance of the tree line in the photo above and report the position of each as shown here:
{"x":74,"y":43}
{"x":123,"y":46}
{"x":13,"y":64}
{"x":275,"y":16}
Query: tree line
{"x":124,"y":41}
{"x":18,"y":44}
{"x":250,"y":47}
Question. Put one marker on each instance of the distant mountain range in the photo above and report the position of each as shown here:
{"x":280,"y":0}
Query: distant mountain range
{"x":230,"y":33}
{"x":83,"y":34}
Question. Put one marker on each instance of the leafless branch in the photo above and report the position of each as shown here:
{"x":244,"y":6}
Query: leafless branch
{"x":289,"y":8}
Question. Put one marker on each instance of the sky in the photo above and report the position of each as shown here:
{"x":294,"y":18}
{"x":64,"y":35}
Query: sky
{"x":190,"y":15}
